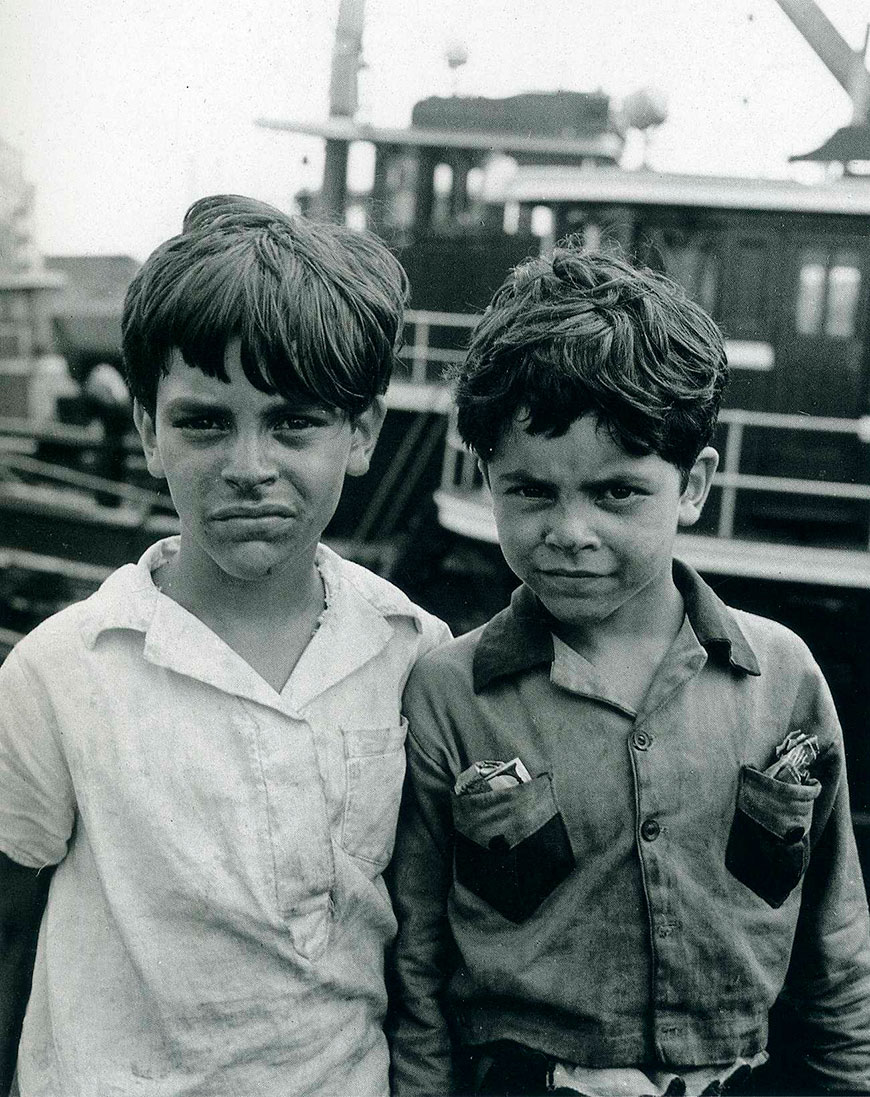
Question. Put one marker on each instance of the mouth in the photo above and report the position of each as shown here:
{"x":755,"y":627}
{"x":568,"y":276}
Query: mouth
{"x":253,"y":512}
{"x":568,"y":573}
{"x":254,"y":521}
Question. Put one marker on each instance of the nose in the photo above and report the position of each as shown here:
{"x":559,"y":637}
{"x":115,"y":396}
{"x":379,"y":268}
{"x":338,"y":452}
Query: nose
{"x":571,"y":531}
{"x":248,"y":462}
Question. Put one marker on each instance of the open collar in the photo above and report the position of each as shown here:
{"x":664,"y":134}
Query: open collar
{"x":355,"y":628}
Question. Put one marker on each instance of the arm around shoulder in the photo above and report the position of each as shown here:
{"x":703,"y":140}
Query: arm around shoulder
{"x":420,"y":879}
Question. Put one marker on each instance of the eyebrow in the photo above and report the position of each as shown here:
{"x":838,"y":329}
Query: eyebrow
{"x":523,"y":476}
{"x":193,"y":403}
{"x":209,"y":403}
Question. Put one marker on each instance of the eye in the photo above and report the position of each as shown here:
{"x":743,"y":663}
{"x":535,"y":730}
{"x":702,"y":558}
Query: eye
{"x":294,"y":422}
{"x":620,"y":494}
{"x":299,"y":420}
{"x":201,"y":423}
{"x":529,"y":491}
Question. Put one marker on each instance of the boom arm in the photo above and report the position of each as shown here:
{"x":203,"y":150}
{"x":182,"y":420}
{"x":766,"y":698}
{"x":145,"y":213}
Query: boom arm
{"x":845,"y":64}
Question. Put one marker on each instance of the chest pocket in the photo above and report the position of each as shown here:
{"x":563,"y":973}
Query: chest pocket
{"x":511,"y":847}
{"x":769,"y":845}
{"x":374,"y":769}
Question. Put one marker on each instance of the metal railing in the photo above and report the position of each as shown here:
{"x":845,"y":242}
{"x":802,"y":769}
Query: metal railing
{"x":420,"y":353}
{"x":731,"y":480}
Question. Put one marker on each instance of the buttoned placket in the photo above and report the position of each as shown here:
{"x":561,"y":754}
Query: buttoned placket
{"x":291,"y":780}
{"x":651,"y":748}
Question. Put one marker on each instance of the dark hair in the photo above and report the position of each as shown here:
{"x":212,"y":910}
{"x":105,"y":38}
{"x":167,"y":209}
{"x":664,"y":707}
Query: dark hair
{"x":317,"y":307}
{"x":589,"y":333}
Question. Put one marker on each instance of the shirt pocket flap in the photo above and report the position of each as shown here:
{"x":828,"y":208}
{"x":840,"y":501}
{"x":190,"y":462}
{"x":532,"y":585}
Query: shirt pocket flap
{"x":769,"y":846}
{"x":364,"y":742}
{"x":782,"y":808}
{"x":510,"y":815}
{"x":511,"y":848}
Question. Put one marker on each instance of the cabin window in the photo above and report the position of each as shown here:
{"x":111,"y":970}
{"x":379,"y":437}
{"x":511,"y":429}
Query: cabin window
{"x":689,"y":258}
{"x":355,"y":217}
{"x":844,"y":282}
{"x":442,"y":180}
{"x":474,"y":184}
{"x":592,"y":236}
{"x":828,"y":290}
{"x":442,"y":188}
{"x":511,"y":222}
{"x":15,"y":330}
{"x":542,"y":221}
{"x":811,"y":293}
{"x":746,"y":310}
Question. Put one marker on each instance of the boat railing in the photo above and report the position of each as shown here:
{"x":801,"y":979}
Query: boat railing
{"x":434,"y":341}
{"x":731,"y":480}
{"x":422,"y":352}
{"x":21,"y":468}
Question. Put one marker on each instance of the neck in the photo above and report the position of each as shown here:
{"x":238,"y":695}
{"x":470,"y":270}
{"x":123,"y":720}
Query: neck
{"x":643,"y":624}
{"x":218,"y":599}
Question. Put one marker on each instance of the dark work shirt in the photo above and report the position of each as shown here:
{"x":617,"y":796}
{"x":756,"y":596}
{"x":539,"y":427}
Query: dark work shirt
{"x":646,"y":897}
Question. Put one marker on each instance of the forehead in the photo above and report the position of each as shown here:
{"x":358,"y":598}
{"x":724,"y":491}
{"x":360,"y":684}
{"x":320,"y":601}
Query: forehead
{"x":183,"y":382}
{"x":587,"y":449}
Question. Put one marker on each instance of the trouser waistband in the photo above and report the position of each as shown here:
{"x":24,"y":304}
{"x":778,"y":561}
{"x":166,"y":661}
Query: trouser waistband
{"x":507,"y":1069}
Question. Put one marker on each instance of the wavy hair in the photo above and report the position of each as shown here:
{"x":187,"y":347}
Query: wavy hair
{"x":589,"y":333}
{"x":317,"y":307}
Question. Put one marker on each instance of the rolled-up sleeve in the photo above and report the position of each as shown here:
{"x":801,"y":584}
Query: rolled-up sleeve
{"x":37,"y":804}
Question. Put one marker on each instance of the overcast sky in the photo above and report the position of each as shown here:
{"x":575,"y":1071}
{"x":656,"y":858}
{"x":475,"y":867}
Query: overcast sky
{"x":127,"y":110}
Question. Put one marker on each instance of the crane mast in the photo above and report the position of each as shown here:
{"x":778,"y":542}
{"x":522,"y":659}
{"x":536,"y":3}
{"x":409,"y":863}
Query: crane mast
{"x":343,"y":102}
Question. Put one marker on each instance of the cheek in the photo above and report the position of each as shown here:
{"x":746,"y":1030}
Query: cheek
{"x":644,"y":547}
{"x":518,"y":539}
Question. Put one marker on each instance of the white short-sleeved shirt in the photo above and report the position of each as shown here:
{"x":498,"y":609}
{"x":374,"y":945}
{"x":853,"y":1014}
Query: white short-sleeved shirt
{"x":217,"y":921}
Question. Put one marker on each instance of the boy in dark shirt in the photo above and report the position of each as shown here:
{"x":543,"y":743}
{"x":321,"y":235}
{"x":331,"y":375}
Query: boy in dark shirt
{"x":626,"y":834}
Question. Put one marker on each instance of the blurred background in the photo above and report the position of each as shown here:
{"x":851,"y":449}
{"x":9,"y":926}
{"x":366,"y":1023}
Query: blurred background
{"x":124,"y":113}
{"x":727,"y":144}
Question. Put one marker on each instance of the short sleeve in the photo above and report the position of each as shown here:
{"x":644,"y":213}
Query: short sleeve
{"x":434,"y":633}
{"x":37,"y":803}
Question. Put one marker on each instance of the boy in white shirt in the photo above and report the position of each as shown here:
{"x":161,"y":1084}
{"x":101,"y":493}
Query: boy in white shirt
{"x":210,"y":748}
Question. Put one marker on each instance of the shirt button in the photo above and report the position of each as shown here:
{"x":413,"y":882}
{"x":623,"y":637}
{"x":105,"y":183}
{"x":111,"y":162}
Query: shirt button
{"x":650,"y":830}
{"x":641,"y":741}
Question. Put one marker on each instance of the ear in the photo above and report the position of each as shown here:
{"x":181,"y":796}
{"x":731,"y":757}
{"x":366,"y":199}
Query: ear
{"x":145,"y":427}
{"x":484,"y":470}
{"x":366,"y":428}
{"x":697,"y":487}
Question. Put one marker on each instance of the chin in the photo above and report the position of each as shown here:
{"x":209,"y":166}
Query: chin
{"x":575,"y":611}
{"x":250,"y":563}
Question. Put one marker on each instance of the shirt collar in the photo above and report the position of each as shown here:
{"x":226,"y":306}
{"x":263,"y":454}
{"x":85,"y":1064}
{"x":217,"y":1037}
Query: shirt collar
{"x":128,"y":599}
{"x":713,"y":622}
{"x":519,"y":638}
{"x":355,"y":628}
